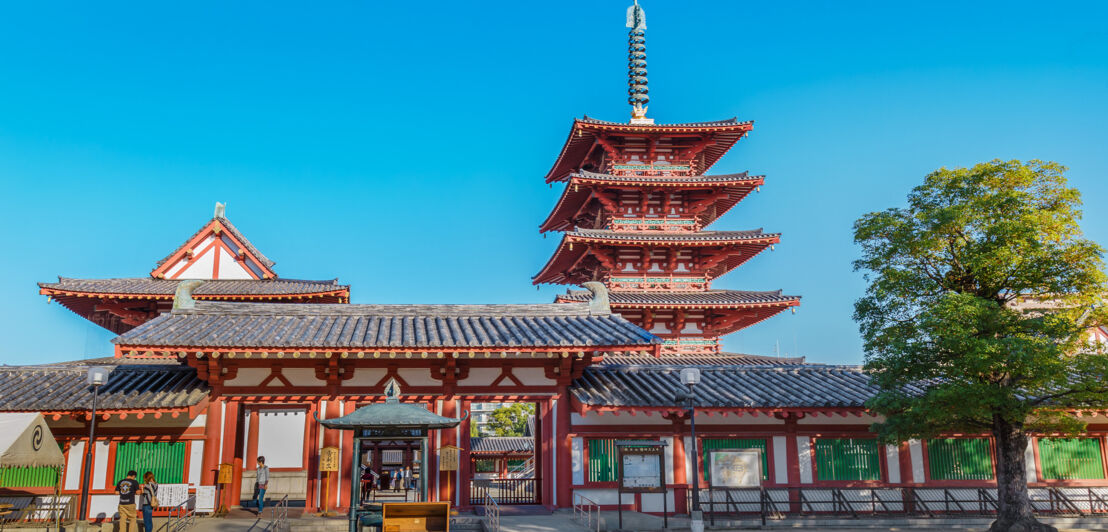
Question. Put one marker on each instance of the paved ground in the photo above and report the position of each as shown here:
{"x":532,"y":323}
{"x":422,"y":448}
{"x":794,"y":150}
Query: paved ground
{"x":562,"y":521}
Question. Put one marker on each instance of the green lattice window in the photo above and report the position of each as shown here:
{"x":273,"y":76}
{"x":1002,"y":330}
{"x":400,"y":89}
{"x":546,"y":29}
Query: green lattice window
{"x":1076,"y":458}
{"x":602,"y":460}
{"x":713,"y":443}
{"x":165,"y":459}
{"x":28,"y":477}
{"x":516,"y":462}
{"x":847,"y":459}
{"x":485,"y":466}
{"x":959,"y":459}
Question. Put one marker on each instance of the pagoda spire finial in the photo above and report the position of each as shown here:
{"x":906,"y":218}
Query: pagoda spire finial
{"x":636,"y":69}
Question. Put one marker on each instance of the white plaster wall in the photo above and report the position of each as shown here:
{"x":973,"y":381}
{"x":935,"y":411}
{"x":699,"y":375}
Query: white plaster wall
{"x":198,"y":421}
{"x":102,"y":506}
{"x":532,"y":376}
{"x":202,"y":268}
{"x":892,"y":457}
{"x":577,"y":452}
{"x":652,"y":502}
{"x":281,"y":437}
{"x":73,"y":465}
{"x":196,"y":462}
{"x":717,"y":419}
{"x":417,"y":377}
{"x":229,"y":268}
{"x":100,"y":464}
{"x":689,"y":463}
{"x":366,"y":377}
{"x":668,"y":457}
{"x":851,"y":419}
{"x":480,"y":377}
{"x":1029,"y":461}
{"x":592,"y":418}
{"x":780,"y":460}
{"x":915,"y":452}
{"x":605,"y":496}
{"x":302,"y":377}
{"x":250,"y":377}
{"x":804,"y":454}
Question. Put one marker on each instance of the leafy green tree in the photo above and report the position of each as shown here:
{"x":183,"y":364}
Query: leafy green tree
{"x":511,"y":420}
{"x":981,"y":292}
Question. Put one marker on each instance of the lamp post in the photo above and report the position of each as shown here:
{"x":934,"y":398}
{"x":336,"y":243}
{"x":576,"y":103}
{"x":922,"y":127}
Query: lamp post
{"x":97,"y":377}
{"x":691,"y":377}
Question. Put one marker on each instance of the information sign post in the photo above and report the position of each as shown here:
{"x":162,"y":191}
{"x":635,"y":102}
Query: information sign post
{"x":641,"y":469}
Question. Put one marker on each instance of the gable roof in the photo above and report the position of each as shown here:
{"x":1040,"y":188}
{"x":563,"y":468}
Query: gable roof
{"x":216,"y":226}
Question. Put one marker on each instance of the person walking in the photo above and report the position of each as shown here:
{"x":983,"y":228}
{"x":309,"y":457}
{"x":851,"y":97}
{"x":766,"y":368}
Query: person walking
{"x":261,"y":483}
{"x":127,"y":489}
{"x":149,"y":500}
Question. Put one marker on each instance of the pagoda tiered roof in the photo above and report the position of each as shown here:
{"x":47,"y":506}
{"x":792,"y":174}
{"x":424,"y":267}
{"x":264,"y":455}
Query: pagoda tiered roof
{"x":705,"y":299}
{"x":736,"y":248}
{"x":727,"y":190}
{"x":705,"y":142}
{"x":707,"y":359}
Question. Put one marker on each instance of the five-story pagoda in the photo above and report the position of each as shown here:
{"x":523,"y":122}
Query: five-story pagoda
{"x":633,"y":214}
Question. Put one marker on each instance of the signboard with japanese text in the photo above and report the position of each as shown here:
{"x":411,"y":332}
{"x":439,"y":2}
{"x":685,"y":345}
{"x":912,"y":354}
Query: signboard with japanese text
{"x":329,"y":459}
{"x":172,"y":495}
{"x":448,"y":458}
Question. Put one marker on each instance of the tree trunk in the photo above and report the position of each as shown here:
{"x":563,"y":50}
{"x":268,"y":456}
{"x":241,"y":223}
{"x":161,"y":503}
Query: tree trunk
{"x":1013,"y":504}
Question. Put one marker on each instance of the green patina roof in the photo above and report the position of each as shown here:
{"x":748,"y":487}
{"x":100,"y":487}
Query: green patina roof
{"x":392,"y":414}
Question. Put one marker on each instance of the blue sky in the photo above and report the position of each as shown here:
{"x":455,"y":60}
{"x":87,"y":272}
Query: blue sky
{"x":402,"y":147}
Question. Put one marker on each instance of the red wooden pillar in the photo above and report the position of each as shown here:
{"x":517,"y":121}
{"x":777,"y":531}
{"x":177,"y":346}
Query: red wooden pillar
{"x":232,"y":452}
{"x":311,"y":451}
{"x":548,"y":445}
{"x":252,"y":439}
{"x":564,"y":449}
{"x":680,"y":479}
{"x":346,"y":458}
{"x":432,"y":459}
{"x":331,"y":438}
{"x":213,"y":425}
{"x":464,"y":463}
{"x":448,"y":479}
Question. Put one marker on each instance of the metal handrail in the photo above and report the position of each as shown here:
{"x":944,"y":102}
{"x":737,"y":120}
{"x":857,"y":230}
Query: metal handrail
{"x":492,"y":514}
{"x":182,"y":516}
{"x":583,"y":507}
{"x":279,"y":515}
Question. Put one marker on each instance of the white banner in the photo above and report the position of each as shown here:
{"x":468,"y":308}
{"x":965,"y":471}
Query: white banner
{"x":171,"y":495}
{"x":205,"y":499}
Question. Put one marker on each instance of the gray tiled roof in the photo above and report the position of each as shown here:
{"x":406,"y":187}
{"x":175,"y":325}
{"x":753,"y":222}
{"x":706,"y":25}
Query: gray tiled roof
{"x":689,"y":298}
{"x":234,"y":232}
{"x":726,"y":386}
{"x":717,"y":359}
{"x":132,"y":384}
{"x":502,"y":444}
{"x":277,"y":325}
{"x":167,"y":287}
{"x":667,"y":236}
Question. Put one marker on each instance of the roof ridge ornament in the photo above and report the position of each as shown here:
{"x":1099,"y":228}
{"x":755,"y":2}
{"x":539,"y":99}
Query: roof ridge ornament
{"x":220,"y":210}
{"x":598,"y":304}
{"x":636,"y":69}
{"x":182,"y":298}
